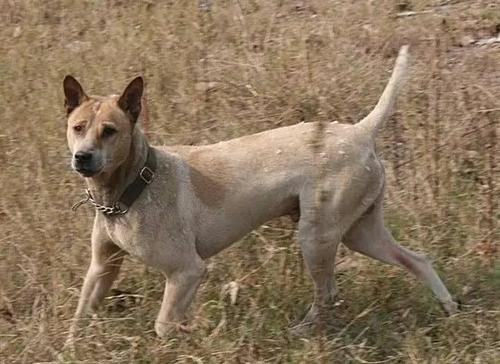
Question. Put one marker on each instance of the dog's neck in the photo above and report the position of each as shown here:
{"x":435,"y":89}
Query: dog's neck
{"x":107,"y":188}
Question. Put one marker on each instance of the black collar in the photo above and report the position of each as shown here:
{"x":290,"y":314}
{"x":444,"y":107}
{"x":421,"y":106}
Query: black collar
{"x":131,"y":193}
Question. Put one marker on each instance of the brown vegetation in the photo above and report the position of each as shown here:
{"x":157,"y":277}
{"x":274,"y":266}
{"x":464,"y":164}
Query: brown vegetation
{"x":243,"y":67}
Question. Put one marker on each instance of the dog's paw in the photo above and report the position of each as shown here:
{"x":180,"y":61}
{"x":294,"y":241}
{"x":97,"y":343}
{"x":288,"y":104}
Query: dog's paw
{"x":166,"y":330}
{"x":309,"y":323}
{"x":451,"y":307}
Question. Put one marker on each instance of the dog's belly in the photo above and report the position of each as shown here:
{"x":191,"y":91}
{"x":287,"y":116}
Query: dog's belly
{"x":219,"y":229}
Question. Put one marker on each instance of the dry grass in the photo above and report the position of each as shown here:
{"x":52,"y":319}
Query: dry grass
{"x":248,"y":66}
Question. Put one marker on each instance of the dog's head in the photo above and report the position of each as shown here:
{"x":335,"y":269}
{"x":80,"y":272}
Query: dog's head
{"x":100,"y":128}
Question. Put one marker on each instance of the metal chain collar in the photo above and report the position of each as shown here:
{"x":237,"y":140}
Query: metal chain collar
{"x":106,"y":210}
{"x":130,"y":194}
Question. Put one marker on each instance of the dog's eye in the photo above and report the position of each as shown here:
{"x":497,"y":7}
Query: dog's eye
{"x":108,"y":131}
{"x":78,"y":128}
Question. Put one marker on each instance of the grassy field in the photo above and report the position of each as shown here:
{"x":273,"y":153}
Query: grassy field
{"x":242,"y":67}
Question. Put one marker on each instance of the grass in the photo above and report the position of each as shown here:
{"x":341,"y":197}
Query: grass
{"x":244,"y":67}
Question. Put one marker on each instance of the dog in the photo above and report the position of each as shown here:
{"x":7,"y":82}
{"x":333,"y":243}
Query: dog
{"x":174,"y":207}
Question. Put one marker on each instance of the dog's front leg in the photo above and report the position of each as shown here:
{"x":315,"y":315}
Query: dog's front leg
{"x":180,"y":288}
{"x":103,"y":270}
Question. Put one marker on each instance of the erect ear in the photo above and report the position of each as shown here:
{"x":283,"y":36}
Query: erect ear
{"x":74,"y":94}
{"x":130,"y":100}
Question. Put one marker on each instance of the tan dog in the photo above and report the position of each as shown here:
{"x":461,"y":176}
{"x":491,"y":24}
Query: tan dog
{"x":203,"y":198}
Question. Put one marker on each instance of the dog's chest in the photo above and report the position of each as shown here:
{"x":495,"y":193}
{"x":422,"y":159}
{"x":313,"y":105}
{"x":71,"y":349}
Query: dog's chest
{"x":127,"y":236}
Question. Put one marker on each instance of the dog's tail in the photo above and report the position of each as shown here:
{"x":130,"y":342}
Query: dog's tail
{"x":376,"y":119}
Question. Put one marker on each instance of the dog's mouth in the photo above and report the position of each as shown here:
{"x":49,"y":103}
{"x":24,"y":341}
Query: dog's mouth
{"x":88,"y":168}
{"x":86,"y":172}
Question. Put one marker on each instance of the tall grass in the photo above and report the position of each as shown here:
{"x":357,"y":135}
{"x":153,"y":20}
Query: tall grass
{"x":243,"y":67}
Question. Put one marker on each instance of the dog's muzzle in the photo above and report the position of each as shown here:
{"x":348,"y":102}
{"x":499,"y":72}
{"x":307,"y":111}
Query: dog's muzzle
{"x":85,"y":164}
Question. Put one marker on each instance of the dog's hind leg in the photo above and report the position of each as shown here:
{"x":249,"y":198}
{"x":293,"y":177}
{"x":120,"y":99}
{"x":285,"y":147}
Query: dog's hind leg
{"x":321,"y":227}
{"x":318,"y":249}
{"x":370,"y":237}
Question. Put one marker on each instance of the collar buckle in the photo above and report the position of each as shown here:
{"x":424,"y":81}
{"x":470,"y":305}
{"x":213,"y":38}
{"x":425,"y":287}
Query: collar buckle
{"x":147,"y":175}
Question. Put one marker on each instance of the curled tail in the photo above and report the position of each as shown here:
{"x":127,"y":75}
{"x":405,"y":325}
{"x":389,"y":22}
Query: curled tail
{"x":376,"y":119}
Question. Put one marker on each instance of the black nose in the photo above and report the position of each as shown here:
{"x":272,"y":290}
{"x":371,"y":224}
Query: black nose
{"x":82,"y":157}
